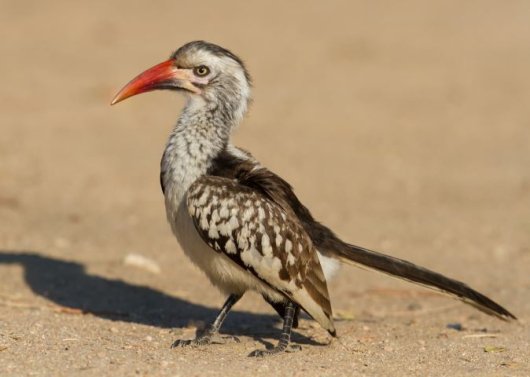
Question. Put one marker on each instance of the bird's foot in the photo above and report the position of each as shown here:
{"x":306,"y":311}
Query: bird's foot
{"x":201,"y":340}
{"x":280,"y":348}
{"x":205,"y":339}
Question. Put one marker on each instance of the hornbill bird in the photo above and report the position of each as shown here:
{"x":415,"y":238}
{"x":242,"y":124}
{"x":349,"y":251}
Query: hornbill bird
{"x":239,"y":222}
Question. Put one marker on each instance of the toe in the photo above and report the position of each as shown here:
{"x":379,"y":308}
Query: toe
{"x":258,"y":353}
{"x":229,"y":338}
{"x":293,"y":348}
{"x":181,"y":343}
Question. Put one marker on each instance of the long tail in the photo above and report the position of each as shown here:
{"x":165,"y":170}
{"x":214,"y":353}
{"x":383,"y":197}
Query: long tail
{"x":279,"y":191}
{"x":408,"y":271}
{"x":331,"y":245}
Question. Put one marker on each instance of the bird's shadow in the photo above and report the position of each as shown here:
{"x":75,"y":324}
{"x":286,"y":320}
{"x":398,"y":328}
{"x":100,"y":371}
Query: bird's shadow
{"x":66,"y":283}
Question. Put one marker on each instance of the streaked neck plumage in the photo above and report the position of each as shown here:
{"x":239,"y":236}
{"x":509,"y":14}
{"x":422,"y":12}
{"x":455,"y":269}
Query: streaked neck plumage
{"x":201,"y":133}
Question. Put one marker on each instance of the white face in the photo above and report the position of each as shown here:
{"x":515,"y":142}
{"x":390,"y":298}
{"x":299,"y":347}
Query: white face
{"x":209,"y":72}
{"x":214,"y":79}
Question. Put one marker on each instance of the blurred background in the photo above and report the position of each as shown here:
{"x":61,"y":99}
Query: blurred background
{"x":404,"y":126}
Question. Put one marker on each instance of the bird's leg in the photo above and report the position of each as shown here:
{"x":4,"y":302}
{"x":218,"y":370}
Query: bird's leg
{"x":280,"y":309}
{"x":213,"y":328}
{"x":285,"y":337}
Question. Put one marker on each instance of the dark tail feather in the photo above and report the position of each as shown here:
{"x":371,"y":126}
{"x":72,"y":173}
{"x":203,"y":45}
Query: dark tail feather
{"x":279,"y":191}
{"x":405,"y":270}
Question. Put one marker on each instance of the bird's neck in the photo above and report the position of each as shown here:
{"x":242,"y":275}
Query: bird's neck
{"x":201,"y":134}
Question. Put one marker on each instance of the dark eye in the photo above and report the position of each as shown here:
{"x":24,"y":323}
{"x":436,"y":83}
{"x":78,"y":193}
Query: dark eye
{"x":201,"y":70}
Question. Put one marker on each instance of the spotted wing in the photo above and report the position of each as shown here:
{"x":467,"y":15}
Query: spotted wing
{"x":262,"y":238}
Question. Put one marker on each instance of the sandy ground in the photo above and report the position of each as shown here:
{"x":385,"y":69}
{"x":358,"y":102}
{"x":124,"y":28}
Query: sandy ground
{"x":405,"y":126}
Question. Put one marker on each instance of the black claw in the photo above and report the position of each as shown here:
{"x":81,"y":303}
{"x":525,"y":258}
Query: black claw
{"x":263,"y":353}
{"x":276,"y":350}
{"x":258,"y":353}
{"x":180,"y":343}
{"x":293,"y":348}
{"x":201,"y":341}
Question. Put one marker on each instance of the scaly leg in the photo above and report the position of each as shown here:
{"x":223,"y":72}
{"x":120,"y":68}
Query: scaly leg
{"x":280,"y":309}
{"x":285,"y":337}
{"x":213,"y":329}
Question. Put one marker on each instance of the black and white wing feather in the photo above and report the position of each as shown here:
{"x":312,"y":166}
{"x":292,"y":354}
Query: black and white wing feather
{"x":262,"y":238}
{"x":280,"y":192}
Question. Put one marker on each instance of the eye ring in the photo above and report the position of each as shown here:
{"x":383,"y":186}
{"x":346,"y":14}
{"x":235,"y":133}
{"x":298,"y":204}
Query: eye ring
{"x":201,"y":71}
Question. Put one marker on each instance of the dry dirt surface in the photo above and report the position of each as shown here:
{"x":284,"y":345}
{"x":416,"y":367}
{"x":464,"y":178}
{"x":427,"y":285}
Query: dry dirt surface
{"x":404,"y":126}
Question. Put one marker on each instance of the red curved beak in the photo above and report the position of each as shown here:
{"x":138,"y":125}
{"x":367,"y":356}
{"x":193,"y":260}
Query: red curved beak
{"x":162,"y":76}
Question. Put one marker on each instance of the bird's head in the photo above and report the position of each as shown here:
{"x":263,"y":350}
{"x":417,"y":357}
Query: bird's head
{"x":211,"y":75}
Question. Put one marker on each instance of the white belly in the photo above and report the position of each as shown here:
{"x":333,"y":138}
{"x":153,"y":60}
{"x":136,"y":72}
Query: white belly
{"x":225,"y":274}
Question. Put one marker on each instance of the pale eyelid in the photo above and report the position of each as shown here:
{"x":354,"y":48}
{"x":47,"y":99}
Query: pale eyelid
{"x":201,"y":80}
